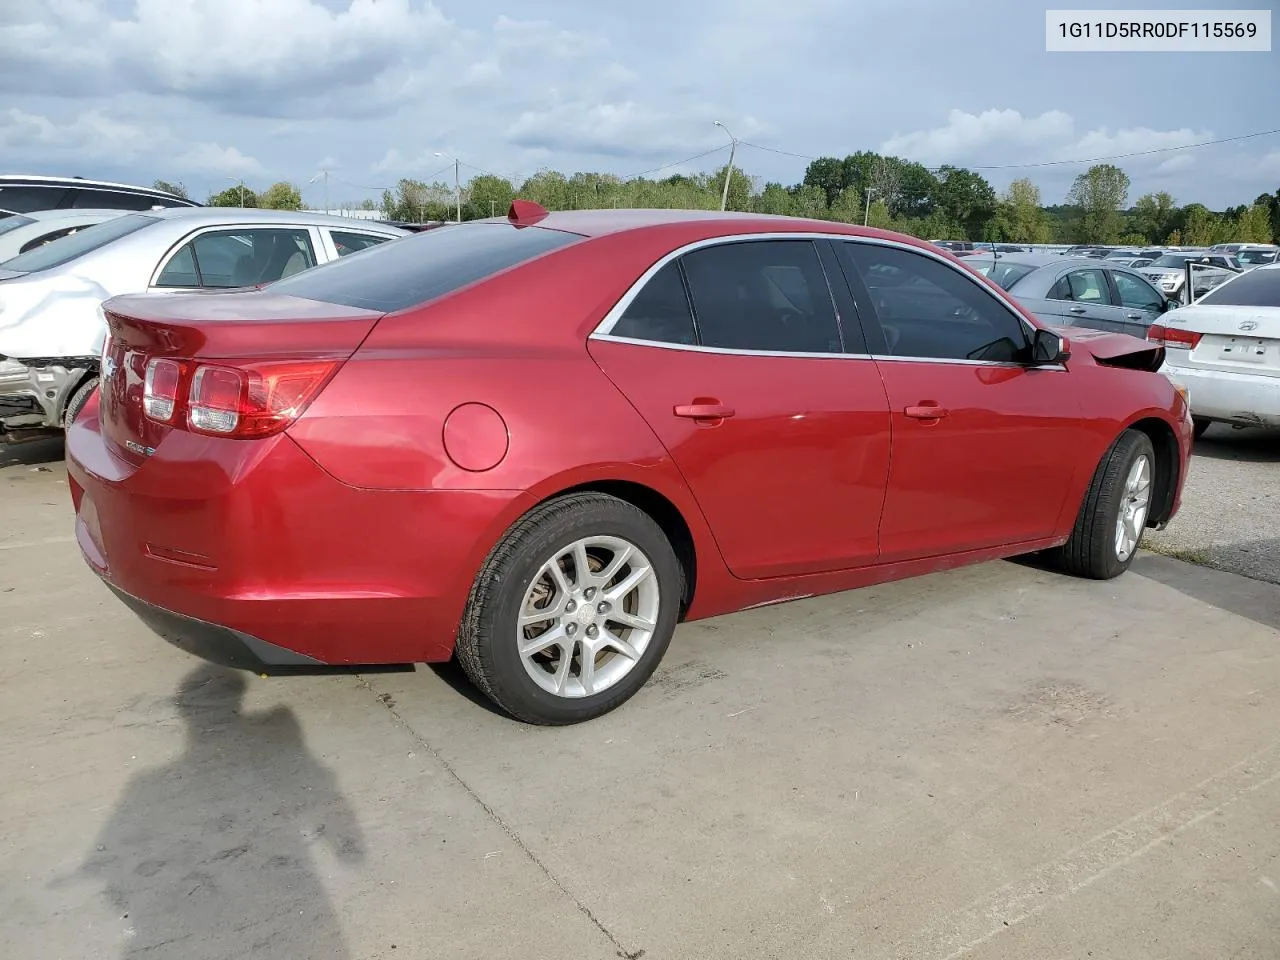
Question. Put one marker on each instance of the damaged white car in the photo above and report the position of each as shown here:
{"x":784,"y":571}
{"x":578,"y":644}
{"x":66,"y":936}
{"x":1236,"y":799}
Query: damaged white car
{"x":51,"y":326}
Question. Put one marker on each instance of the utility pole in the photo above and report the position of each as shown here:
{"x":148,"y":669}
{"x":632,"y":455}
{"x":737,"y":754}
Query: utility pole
{"x":728,"y":171}
{"x":493,"y":208}
{"x":325,"y":174}
{"x":457,"y":182}
{"x":867,"y":216}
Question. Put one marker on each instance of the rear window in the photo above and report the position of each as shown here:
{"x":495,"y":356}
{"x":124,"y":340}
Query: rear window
{"x":422,"y":267}
{"x":1173,"y":259}
{"x":1257,"y":288}
{"x":13,"y":222}
{"x":68,"y":248}
{"x":1003,"y":274}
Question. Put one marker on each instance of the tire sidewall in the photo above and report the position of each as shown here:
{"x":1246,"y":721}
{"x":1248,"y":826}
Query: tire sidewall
{"x":1138,"y":445}
{"x":499,"y":619}
{"x":78,"y":400}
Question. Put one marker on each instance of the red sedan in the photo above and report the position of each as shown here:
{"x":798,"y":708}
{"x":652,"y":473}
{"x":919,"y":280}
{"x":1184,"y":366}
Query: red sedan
{"x":537,"y":443}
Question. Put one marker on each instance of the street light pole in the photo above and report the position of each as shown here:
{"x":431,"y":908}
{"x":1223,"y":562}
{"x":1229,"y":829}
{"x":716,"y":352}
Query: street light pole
{"x":867,"y":216}
{"x":728,"y":171}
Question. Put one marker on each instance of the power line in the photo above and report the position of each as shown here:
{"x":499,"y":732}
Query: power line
{"x":1054,"y":163}
{"x":678,"y":163}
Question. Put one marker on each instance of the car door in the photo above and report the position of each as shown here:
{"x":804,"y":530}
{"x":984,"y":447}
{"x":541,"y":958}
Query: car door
{"x":227,"y":257}
{"x":734,"y":356}
{"x":1140,"y":302}
{"x":1082,"y":297}
{"x":983,"y":445}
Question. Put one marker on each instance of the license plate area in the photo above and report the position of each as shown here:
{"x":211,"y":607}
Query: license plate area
{"x":1244,"y":350}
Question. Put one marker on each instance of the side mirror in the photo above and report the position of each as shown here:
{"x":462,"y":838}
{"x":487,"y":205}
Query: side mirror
{"x":1048,"y":348}
{"x":1169,"y":304}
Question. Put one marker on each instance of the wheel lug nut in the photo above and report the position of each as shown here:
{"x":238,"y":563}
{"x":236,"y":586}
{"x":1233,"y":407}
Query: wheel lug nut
{"x":604,"y":606}
{"x":571,"y":629}
{"x":571,"y":606}
{"x":590,"y":592}
{"x":592,"y":630}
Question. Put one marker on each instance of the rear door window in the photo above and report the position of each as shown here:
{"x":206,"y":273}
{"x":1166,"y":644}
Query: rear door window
{"x":422,"y":267}
{"x":765,"y":295}
{"x":1082,"y":286}
{"x":239,"y":258}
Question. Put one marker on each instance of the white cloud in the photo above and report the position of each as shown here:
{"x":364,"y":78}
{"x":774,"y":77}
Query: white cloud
{"x":967,"y":135}
{"x":95,"y":136}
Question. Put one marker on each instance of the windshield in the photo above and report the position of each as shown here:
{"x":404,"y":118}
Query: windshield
{"x":1250,"y":257}
{"x":68,"y":248}
{"x":1257,"y":288}
{"x":1004,"y":275}
{"x":13,"y":222}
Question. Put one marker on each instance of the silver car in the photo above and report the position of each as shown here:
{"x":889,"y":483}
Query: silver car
{"x":51,"y":326}
{"x":1078,"y":291}
{"x":1169,"y":271}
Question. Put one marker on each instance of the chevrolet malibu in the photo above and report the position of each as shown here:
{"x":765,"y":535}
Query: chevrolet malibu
{"x":539,"y":442}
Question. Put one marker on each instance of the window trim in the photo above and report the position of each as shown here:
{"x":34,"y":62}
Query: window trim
{"x":602,"y":330}
{"x":313,"y":234}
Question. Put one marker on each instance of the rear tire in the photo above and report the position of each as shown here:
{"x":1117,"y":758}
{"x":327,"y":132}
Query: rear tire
{"x":78,"y":400}
{"x":536,"y":612}
{"x":1113,"y":516}
{"x":1198,"y":426}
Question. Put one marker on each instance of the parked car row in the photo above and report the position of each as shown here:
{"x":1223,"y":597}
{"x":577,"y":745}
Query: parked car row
{"x":58,"y":265}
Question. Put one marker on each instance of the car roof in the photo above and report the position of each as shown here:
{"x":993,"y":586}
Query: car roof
{"x":14,"y":179}
{"x":1034,"y":259}
{"x":598,"y":223}
{"x":202,"y":216}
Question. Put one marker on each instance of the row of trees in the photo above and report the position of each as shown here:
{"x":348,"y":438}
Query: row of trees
{"x":947,"y":202}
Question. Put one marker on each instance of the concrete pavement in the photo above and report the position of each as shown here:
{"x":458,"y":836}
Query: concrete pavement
{"x":996,"y":762}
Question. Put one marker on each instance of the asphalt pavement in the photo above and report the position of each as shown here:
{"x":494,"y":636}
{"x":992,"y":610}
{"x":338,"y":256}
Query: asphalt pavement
{"x":993,"y":762}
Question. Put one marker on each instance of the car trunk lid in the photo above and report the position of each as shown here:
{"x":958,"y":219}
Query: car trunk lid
{"x":226,"y":328}
{"x":1228,"y":338}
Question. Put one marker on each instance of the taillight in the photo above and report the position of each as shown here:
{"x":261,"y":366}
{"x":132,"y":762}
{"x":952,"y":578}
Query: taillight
{"x":232,"y":399}
{"x":160,"y":389}
{"x":1173,"y":336}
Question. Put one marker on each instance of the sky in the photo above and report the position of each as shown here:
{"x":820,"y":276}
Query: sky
{"x":211,"y":91}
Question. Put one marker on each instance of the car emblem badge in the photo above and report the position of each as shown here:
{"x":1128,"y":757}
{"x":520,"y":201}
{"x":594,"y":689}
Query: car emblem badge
{"x":1249,"y":325}
{"x":140,"y":449}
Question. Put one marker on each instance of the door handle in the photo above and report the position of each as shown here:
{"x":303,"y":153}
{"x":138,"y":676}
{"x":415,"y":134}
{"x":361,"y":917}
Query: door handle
{"x":703,"y":411}
{"x":1133,"y":316}
{"x":925,"y":411}
{"x":1079,"y":310}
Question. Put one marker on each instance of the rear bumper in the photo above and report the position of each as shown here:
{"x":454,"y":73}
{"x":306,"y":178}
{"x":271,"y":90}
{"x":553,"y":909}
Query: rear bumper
{"x":220,"y":645}
{"x":250,"y":552}
{"x":1243,"y":398}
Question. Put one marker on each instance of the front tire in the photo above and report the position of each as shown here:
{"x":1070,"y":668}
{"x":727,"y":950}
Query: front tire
{"x":572,"y":611}
{"x":1114,"y":514}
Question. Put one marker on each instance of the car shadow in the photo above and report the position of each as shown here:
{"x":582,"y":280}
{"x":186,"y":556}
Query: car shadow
{"x":31,"y":452}
{"x":452,"y":674}
{"x":1221,"y":442}
{"x":215,"y":852}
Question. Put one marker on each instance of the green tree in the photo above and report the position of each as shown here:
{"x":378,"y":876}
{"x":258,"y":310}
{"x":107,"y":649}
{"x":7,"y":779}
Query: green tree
{"x":1153,"y":216}
{"x":1200,"y":226}
{"x":237,"y":196}
{"x":490,"y":196}
{"x":1098,"y":194}
{"x":740,"y":188}
{"x":879,"y":215}
{"x":828,"y":175}
{"x":281,"y":196}
{"x":1020,"y":215}
{"x":775,"y":199}
{"x":175,"y":187}
{"x":965,"y":198}
{"x":808,"y":201}
{"x":1253,"y":226}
